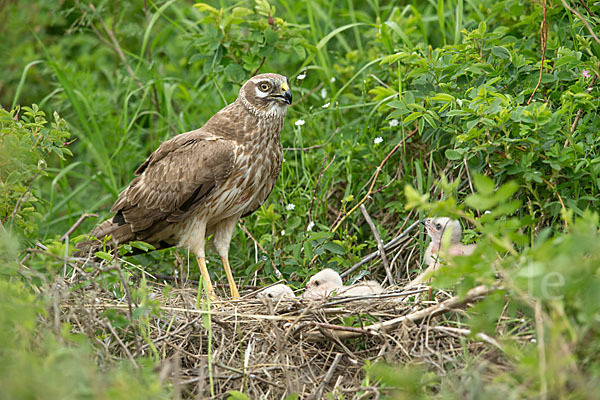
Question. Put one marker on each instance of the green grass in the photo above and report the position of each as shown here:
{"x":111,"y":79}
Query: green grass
{"x":128,"y":75}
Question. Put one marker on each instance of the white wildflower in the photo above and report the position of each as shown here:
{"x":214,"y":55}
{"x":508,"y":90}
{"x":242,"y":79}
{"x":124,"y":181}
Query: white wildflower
{"x":332,"y":80}
{"x":290,"y":207}
{"x":301,"y":76}
{"x":283,"y":233}
{"x":326,"y":105}
{"x":394,"y":122}
{"x":323,"y":93}
{"x":378,"y":140}
{"x":533,"y":341}
{"x":310,"y":226}
{"x":300,"y":122}
{"x":283,"y":159}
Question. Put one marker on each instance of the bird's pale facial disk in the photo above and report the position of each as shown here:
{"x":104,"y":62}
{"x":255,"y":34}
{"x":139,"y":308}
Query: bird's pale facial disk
{"x":435,"y":228}
{"x":273,"y":90}
{"x":263,"y":89}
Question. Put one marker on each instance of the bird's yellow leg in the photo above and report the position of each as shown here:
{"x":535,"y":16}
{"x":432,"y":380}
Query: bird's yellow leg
{"x":234,"y":291}
{"x":206,"y":277}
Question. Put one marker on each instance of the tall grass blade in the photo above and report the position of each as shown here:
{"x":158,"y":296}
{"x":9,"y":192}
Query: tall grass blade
{"x":22,"y":81}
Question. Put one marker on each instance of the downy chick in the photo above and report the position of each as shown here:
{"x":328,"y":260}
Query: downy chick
{"x":327,"y":281}
{"x":276,"y":292}
{"x":436,"y":228}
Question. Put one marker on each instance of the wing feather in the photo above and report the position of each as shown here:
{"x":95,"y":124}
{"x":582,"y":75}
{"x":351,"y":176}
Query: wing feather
{"x":175,"y":179}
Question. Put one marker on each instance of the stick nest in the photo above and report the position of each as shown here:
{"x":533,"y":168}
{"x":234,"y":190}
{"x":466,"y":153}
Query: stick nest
{"x":269,"y":350}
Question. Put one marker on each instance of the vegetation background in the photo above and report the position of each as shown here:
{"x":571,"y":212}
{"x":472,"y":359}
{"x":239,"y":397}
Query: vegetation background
{"x":411,"y":108}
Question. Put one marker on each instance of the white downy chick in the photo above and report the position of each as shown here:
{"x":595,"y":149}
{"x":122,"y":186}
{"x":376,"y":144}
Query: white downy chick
{"x":322,"y":284}
{"x":276,"y":292}
{"x":327,"y":281}
{"x":361,"y":289}
{"x":436,"y":228}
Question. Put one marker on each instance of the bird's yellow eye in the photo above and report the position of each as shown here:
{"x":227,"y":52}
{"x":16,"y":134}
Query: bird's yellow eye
{"x":264,"y":86}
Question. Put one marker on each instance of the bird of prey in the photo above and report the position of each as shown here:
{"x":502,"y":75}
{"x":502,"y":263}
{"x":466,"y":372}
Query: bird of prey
{"x":436,"y":229}
{"x":201,"y":182}
{"x":326,"y":282}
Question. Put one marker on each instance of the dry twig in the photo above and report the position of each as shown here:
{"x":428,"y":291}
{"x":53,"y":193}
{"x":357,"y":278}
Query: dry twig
{"x":386,"y":264}
{"x":543,"y":40}
{"x":377,"y":172}
{"x":375,"y":254}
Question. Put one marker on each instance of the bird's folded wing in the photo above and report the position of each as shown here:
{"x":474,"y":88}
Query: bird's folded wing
{"x":175,"y":179}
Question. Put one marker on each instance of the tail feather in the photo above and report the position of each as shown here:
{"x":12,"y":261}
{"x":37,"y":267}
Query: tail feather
{"x":119,"y":233}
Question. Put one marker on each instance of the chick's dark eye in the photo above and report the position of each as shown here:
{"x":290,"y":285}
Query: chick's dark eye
{"x":264,"y":86}
{"x":317,"y":283}
{"x":270,"y":295}
{"x":438,"y":226}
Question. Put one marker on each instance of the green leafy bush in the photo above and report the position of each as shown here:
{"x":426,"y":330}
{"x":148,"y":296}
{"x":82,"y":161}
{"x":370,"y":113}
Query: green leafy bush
{"x":26,"y":141}
{"x":393,"y":97}
{"x":38,"y":362}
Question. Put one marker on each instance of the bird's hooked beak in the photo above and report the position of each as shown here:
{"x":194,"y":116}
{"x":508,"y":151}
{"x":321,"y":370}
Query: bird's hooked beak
{"x":427,"y":224}
{"x":285,"y":95}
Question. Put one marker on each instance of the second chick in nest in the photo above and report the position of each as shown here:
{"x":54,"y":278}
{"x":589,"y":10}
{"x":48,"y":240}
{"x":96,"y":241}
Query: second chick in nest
{"x":326,"y":282}
{"x":276,"y":292}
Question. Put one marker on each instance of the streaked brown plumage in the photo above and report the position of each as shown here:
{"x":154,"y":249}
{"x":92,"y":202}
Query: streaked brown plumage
{"x":201,"y":182}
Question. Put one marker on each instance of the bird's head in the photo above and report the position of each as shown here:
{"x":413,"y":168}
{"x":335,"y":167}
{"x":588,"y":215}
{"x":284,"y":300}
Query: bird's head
{"x":267,"y":95}
{"x":276,"y":292}
{"x":436,"y":227}
{"x":322,"y":284}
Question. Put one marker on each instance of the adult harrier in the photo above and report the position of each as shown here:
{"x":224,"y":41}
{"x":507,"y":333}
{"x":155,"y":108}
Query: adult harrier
{"x":201,"y":182}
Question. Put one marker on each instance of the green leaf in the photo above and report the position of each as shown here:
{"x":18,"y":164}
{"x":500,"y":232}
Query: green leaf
{"x":483,"y":184}
{"x":414,"y":198}
{"x":501,"y":52}
{"x":271,"y":37}
{"x":430,"y":120}
{"x":480,"y":202}
{"x":334,"y":248}
{"x":319,"y":235}
{"x":413,"y":116}
{"x":206,"y":8}
{"x":506,"y":190}
{"x":531,"y":270}
{"x":103,"y":255}
{"x":237,"y":395}
{"x":454,"y":154}
{"x":235,"y":72}
{"x":443,"y":97}
{"x":293,"y":223}
{"x":142,"y":245}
